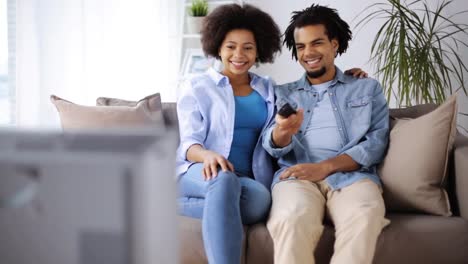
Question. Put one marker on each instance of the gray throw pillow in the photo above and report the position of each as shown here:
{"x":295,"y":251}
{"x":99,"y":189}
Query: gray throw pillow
{"x":144,"y":113}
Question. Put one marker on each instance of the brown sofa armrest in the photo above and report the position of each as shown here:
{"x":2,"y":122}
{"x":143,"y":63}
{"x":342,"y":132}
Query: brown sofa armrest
{"x":461,"y":174}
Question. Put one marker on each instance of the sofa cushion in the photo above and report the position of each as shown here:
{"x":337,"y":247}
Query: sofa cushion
{"x":428,"y":239}
{"x":168,"y":108}
{"x":461,"y":170}
{"x":109,"y":101}
{"x":414,"y":170}
{"x":192,"y":250}
{"x":170,"y":114}
{"x":409,"y":239}
{"x":144,"y":113}
{"x":191,"y":241}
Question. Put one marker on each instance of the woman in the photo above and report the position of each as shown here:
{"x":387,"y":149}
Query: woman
{"x":225,"y":174}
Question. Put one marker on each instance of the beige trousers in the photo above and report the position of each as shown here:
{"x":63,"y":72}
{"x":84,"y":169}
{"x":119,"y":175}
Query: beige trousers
{"x":296,"y":220}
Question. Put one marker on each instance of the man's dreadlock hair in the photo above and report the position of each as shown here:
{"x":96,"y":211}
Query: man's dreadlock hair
{"x":335,"y":27}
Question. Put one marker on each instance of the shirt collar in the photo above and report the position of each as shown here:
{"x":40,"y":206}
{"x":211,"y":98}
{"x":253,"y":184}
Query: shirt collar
{"x":339,"y":77}
{"x":222,"y":80}
{"x":254,"y":78}
{"x":217,"y":77}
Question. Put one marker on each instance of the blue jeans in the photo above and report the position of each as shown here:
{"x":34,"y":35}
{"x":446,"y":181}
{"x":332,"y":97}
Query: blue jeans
{"x":224,"y":204}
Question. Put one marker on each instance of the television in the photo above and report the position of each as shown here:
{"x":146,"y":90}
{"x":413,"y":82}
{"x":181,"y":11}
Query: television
{"x":88,"y":197}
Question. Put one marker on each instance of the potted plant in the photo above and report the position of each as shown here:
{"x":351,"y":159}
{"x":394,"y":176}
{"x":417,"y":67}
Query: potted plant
{"x":416,"y":51}
{"x":197,"y":11}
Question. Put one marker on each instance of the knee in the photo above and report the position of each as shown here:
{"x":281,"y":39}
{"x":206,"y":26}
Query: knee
{"x":226,"y":183}
{"x":373,"y":209}
{"x":296,"y":227}
{"x":262,"y":200}
{"x":295,"y":219}
{"x":367,"y":217}
{"x":374,"y":214}
{"x":256,"y":205}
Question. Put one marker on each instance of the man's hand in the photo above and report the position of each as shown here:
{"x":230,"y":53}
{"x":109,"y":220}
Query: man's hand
{"x":356,"y":72}
{"x":308,"y":171}
{"x":211,"y":161}
{"x":286,"y":127}
{"x":319,"y":171}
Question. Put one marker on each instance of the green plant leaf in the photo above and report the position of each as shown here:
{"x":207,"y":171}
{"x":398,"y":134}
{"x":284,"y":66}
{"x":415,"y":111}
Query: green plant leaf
{"x":198,"y":8}
{"x":415,"y":52}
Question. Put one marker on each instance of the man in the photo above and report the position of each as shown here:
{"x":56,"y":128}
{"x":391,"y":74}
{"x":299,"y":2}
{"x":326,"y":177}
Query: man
{"x":328,"y":150}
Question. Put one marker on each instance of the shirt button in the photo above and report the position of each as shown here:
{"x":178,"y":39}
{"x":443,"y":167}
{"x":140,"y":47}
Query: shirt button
{"x":340,"y":128}
{"x":331,"y":94}
{"x":308,"y":111}
{"x":334,"y":109}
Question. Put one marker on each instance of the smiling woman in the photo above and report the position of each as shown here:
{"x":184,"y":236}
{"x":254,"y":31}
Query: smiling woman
{"x":221,"y":116}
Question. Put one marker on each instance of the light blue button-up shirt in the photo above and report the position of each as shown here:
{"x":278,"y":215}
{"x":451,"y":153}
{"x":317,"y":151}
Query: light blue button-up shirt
{"x":206,"y":111}
{"x":362,"y":118}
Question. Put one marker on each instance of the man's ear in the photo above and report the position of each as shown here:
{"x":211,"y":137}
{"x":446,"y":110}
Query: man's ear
{"x":335,"y":45}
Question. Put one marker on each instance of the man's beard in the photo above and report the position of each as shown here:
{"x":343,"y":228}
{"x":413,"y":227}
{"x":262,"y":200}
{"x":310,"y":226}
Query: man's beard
{"x":316,"y":74}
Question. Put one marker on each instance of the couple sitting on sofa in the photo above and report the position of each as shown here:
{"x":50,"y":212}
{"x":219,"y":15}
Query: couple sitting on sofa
{"x":327,"y":151}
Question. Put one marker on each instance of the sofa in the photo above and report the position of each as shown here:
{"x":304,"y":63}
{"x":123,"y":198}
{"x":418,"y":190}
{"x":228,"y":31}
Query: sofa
{"x":410,"y":238}
{"x":417,"y":234}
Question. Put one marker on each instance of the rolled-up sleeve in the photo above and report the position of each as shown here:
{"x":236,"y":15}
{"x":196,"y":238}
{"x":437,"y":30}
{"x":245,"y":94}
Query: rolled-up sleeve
{"x":271,"y":148}
{"x":193,"y":129}
{"x":371,"y":150}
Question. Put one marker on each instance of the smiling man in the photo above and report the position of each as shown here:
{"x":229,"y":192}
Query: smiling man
{"x":328,"y":150}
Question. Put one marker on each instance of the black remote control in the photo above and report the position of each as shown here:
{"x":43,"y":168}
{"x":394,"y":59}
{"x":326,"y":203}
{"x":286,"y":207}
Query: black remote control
{"x":286,"y":110}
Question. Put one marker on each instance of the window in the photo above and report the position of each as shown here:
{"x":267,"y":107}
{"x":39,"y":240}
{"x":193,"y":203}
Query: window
{"x":7,"y":47}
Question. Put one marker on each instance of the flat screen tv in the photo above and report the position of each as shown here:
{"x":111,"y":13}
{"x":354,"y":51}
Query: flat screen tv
{"x":88,"y":197}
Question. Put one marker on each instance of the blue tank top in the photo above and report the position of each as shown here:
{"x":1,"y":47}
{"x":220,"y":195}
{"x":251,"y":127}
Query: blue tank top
{"x":250,"y":117}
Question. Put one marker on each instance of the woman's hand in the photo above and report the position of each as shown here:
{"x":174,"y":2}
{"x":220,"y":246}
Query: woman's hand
{"x":356,"y":72}
{"x":211,"y":161}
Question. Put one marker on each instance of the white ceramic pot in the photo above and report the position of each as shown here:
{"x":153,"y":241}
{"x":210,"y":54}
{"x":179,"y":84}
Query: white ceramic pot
{"x":194,"y":24}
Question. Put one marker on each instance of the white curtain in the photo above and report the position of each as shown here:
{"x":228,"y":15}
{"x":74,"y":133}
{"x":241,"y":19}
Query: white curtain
{"x":83,"y":49}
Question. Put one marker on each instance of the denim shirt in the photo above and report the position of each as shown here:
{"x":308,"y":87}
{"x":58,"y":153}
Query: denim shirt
{"x":362,"y":117}
{"x":206,"y":111}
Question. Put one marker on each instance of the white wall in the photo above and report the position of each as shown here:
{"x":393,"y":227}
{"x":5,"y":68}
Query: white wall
{"x":462,"y":98}
{"x":84,"y":49}
{"x":285,"y":69}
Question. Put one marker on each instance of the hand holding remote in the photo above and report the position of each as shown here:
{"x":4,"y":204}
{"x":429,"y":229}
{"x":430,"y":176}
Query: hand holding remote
{"x":286,"y":110}
{"x":288,"y":122}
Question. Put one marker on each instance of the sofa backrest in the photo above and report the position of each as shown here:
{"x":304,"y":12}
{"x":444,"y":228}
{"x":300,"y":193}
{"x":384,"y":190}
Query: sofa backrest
{"x":413,"y":111}
{"x":170,"y":114}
